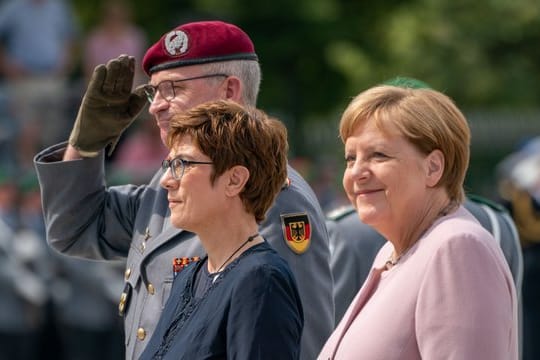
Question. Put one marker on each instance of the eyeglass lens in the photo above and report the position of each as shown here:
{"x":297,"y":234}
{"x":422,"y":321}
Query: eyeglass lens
{"x":165,"y":89}
{"x":177,"y":167}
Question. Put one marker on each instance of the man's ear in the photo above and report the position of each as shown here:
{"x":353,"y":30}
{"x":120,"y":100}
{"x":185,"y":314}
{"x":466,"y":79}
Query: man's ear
{"x":237,"y":178}
{"x":435,"y":167}
{"x":233,"y":89}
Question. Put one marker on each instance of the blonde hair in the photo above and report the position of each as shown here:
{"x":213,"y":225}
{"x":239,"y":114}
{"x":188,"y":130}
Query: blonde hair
{"x":428,"y":119}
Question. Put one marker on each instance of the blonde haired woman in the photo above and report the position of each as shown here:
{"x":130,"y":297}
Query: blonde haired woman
{"x":440,"y":287}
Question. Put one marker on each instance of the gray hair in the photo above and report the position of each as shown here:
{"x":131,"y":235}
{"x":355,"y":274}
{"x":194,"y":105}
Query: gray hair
{"x":248,"y":71}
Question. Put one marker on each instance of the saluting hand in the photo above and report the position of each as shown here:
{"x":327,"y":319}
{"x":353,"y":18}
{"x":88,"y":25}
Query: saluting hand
{"x":108,"y":107}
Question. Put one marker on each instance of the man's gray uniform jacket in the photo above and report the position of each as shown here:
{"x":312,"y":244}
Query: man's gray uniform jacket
{"x":87,"y":219}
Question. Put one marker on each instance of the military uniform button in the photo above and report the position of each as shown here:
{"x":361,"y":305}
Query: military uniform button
{"x":122,"y":303}
{"x":151,"y":289}
{"x":141,"y":333}
{"x":127,"y":273}
{"x":124,"y":299}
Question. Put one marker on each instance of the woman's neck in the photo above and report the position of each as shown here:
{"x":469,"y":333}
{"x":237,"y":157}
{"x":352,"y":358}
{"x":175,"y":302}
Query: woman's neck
{"x":414,"y":227}
{"x":250,"y":241}
{"x":223,"y":244}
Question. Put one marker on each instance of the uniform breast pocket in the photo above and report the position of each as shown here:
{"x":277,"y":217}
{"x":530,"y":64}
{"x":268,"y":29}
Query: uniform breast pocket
{"x":167,"y":285}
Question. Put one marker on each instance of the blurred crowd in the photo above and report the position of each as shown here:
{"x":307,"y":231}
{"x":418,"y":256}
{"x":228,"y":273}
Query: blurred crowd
{"x":56,"y":307}
{"x":52,"y":306}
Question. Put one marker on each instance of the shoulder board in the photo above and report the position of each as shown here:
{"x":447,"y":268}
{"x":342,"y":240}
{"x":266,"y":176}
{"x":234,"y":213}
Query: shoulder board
{"x":340,"y":212}
{"x":482,"y":200}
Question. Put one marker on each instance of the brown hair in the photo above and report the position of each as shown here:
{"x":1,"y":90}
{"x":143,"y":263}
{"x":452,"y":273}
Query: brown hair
{"x":428,"y":119}
{"x":231,"y":135}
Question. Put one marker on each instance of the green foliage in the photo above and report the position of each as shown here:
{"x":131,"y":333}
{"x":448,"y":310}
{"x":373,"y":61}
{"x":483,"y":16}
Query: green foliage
{"x":317,"y":54}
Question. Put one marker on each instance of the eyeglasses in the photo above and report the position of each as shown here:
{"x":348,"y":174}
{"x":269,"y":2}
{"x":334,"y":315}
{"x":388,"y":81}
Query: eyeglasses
{"x":166,"y":87}
{"x":178,"y":166}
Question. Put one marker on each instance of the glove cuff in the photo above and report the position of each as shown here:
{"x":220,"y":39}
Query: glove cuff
{"x":84,"y":153}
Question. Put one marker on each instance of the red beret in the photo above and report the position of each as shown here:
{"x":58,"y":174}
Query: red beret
{"x":198,"y":43}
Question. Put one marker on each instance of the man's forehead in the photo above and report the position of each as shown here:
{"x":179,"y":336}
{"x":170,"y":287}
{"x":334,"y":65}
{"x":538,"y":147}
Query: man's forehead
{"x":177,"y":73}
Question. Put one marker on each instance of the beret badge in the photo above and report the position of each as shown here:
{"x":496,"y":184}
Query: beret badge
{"x":176,"y":42}
{"x":196,"y":43}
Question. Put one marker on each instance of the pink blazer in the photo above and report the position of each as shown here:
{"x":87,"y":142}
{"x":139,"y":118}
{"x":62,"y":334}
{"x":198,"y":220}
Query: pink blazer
{"x":451,"y":296}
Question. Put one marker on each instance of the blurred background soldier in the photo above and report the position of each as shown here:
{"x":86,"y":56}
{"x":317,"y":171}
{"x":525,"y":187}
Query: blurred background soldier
{"x":23,"y":262}
{"x":519,"y":187}
{"x":85,"y":298}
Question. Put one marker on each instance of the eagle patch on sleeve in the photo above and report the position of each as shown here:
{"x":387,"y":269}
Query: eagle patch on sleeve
{"x":296,"y":231}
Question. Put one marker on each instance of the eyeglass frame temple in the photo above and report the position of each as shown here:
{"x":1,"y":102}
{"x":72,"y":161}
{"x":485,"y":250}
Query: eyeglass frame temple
{"x":155,"y":88}
{"x":168,"y":164}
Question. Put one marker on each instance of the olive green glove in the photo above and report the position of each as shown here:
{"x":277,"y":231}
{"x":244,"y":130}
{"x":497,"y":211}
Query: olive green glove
{"x":108,"y":107}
